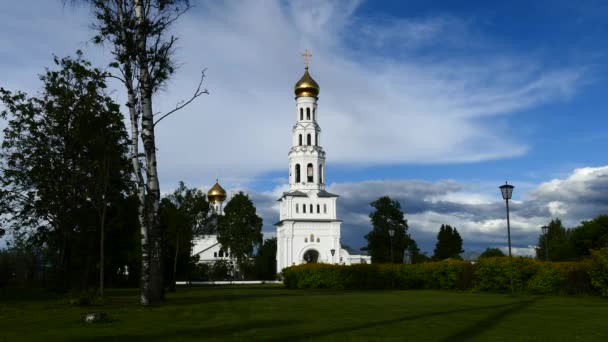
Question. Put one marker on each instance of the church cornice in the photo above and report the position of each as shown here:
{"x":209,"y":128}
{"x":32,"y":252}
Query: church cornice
{"x":280,"y":223}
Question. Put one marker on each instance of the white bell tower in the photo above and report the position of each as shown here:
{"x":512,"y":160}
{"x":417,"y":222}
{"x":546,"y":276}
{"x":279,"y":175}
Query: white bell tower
{"x":308,"y":229}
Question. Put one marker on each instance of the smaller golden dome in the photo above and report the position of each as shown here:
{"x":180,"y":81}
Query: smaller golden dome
{"x":216,"y":193}
{"x":306,"y":86}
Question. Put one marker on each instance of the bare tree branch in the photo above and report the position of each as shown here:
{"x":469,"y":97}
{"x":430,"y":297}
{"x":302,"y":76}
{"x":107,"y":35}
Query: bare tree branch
{"x":183,"y":104}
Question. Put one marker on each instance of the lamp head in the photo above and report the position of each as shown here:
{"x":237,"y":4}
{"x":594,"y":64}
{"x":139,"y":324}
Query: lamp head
{"x":506,"y":190}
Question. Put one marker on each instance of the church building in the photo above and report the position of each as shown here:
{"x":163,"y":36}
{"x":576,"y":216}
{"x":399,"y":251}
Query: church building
{"x":308,"y":230}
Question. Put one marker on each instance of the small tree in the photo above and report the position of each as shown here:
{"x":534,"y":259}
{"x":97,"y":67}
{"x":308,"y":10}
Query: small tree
{"x":387,"y":216}
{"x":589,"y":235}
{"x":491,"y":252}
{"x":183,"y":216}
{"x":266,"y":260}
{"x":449,"y":243}
{"x":240,"y":229}
{"x":557,"y":241}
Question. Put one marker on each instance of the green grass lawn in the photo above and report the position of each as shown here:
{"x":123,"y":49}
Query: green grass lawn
{"x":276,"y":314}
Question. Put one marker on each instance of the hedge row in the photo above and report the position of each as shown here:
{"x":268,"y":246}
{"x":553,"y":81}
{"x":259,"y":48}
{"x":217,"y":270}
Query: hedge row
{"x":489,"y":274}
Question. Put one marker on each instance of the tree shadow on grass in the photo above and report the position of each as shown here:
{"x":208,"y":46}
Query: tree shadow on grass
{"x":224,"y":331}
{"x":512,"y":307}
{"x":226,"y":297}
{"x":488,"y":322}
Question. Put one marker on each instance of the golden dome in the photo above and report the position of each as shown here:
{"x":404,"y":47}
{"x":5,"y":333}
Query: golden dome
{"x":216,"y":193}
{"x":306,"y":86}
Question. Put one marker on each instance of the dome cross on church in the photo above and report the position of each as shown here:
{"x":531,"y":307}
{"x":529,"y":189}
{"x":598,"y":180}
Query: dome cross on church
{"x":306,"y":86}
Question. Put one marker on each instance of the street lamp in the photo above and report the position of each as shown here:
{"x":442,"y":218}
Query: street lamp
{"x":391,"y":233}
{"x":333,"y":251}
{"x":507,"y":191}
{"x":546,"y":234}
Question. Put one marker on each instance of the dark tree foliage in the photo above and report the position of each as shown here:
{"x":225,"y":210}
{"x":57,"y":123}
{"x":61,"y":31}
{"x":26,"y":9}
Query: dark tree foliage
{"x":587,"y":236}
{"x":63,"y":163}
{"x":388,"y":215}
{"x":449,"y":243}
{"x":558,"y":241}
{"x":266,"y":260}
{"x":240,"y":229}
{"x":491,"y":252}
{"x":183,"y":216}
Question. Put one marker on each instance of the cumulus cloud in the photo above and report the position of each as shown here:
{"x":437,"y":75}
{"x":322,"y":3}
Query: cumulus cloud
{"x":479,"y":216}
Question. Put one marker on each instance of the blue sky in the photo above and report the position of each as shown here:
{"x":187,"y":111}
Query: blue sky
{"x":434,"y":103}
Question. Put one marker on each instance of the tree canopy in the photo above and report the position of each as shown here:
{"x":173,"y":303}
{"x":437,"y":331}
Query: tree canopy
{"x":388,"y":216}
{"x":491,"y":252}
{"x":240,"y":228}
{"x":449,"y":243}
{"x":64,"y":164}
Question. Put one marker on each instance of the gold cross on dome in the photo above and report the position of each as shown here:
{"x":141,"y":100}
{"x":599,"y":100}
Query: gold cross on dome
{"x":306,"y":56}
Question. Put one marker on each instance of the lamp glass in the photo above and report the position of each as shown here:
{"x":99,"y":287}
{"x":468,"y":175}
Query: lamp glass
{"x":507,"y":191}
{"x":545,"y":230}
{"x":391,"y":232}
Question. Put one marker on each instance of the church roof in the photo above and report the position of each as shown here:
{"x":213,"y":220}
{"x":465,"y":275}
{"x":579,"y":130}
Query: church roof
{"x":296,"y":193}
{"x":324,"y":193}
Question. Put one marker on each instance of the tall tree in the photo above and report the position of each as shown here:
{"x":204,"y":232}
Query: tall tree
{"x":63,"y":157}
{"x":240,"y":229}
{"x":557,"y":241}
{"x":388,"y":216}
{"x":138,"y":33}
{"x":184,"y":214}
{"x":449,"y":243}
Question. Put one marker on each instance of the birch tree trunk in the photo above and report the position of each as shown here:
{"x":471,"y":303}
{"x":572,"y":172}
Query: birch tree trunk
{"x":152,"y":202}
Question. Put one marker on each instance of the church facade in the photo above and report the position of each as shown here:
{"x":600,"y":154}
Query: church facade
{"x":308,"y":229}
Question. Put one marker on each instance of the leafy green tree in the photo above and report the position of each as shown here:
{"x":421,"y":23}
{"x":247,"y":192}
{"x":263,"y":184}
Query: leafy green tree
{"x":183,"y":215}
{"x":240,"y":229}
{"x":558,"y":242}
{"x":491,"y":252}
{"x":63,"y":165}
{"x":449,"y":243}
{"x":589,"y":235}
{"x":387,"y":216}
{"x":266,"y":260}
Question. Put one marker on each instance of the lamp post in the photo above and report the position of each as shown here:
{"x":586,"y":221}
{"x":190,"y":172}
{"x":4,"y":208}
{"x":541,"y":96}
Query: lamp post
{"x":546,"y":234}
{"x":507,"y":191}
{"x":333,"y":251}
{"x":391,"y":233}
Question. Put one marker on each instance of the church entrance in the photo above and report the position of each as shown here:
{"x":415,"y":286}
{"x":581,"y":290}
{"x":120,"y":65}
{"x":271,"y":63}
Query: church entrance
{"x":311,"y":256}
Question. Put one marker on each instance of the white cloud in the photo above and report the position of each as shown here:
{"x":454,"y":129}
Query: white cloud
{"x":377,"y":104}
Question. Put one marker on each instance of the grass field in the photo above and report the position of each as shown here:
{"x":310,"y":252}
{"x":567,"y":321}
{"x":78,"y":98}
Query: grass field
{"x":275,"y":314}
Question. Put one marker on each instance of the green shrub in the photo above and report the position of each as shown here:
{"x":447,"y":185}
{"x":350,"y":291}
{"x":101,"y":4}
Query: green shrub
{"x":548,"y":279}
{"x":599,"y":270}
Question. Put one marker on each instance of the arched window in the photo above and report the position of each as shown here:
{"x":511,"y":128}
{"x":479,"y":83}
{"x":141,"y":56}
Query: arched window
{"x":310,"y":173}
{"x":301,"y":113}
{"x":221,"y":254}
{"x":305,"y":239}
{"x":308,"y":113}
{"x":314,"y":112}
{"x":318,"y":239}
{"x":312,"y":238}
{"x":304,"y":208}
{"x":316,"y":139}
{"x":300,"y":140}
{"x":318,"y":208}
{"x":311,"y":209}
{"x":324,"y":208}
{"x":308,"y":139}
{"x":321,"y":173}
{"x":297,"y":208}
{"x":215,"y":254}
{"x":297,"y":173}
